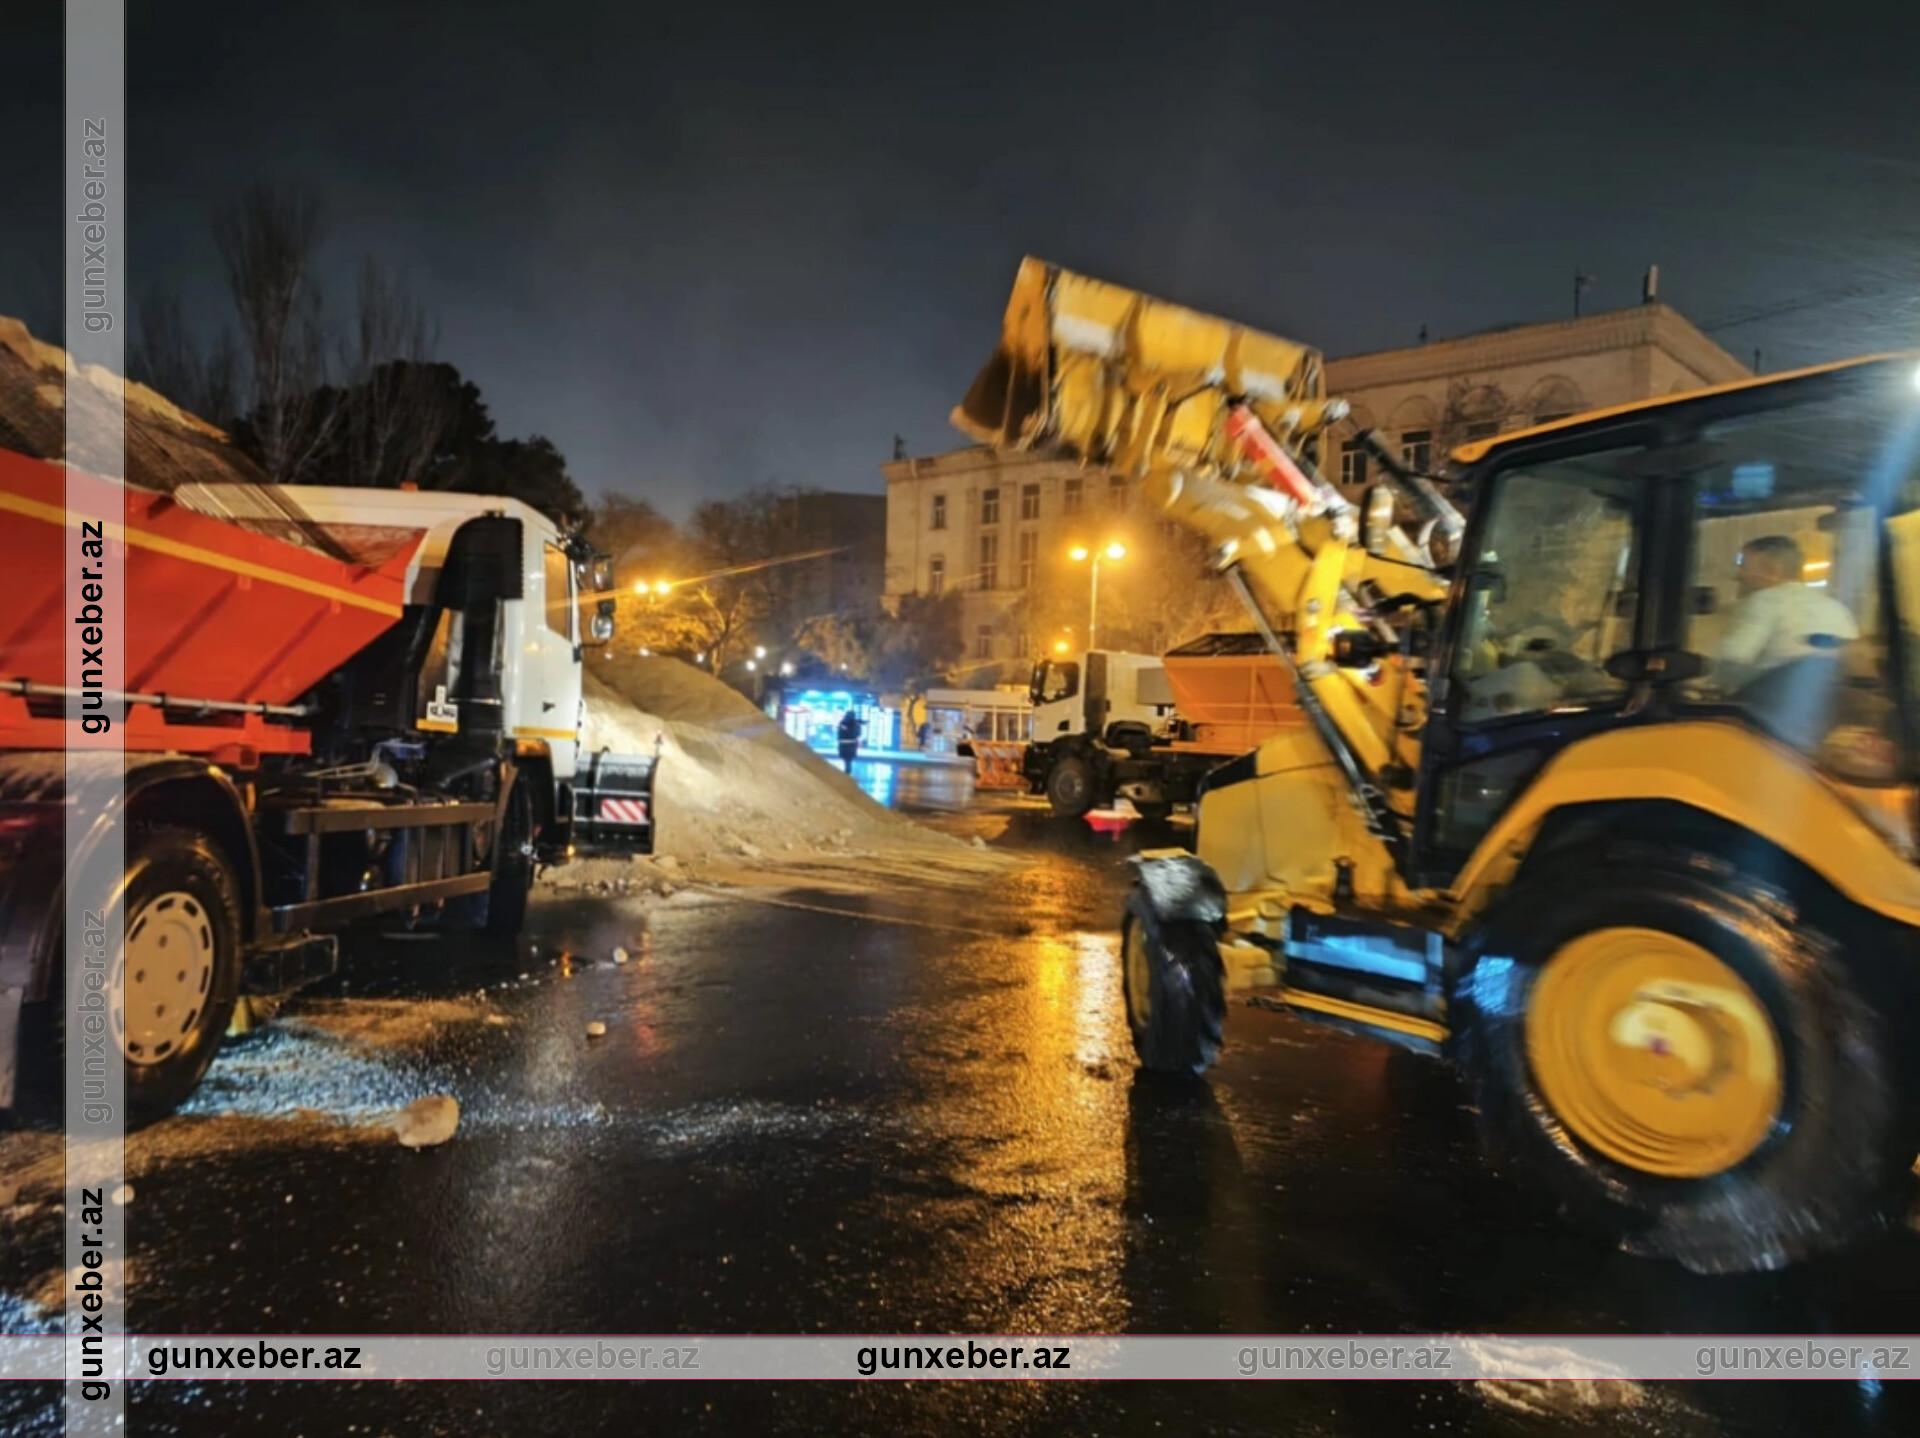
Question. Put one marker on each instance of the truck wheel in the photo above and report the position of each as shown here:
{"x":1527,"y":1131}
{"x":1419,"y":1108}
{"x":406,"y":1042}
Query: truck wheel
{"x":512,"y":868}
{"x":1174,"y":986}
{"x":172,"y":985}
{"x":1070,"y":786}
{"x":1697,"y":1076}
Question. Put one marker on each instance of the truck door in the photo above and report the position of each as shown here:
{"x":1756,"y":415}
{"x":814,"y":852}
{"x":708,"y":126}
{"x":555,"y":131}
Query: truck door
{"x":546,"y":701}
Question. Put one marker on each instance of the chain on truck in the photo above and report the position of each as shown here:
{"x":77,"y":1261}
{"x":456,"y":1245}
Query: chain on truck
{"x":339,"y":705}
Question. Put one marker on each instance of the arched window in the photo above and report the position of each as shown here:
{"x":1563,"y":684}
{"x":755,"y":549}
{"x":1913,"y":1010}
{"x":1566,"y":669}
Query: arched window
{"x":1551,"y":398}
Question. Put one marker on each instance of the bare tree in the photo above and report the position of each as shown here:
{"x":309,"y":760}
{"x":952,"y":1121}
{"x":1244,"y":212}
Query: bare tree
{"x":166,"y":355}
{"x":395,"y":408}
{"x":267,"y":239}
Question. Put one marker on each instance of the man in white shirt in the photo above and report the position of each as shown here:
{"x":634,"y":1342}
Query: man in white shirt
{"x":1779,"y":618}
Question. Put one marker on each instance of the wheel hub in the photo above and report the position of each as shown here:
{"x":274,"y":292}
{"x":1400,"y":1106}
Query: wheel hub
{"x":1653,"y":1052}
{"x":162,"y":978}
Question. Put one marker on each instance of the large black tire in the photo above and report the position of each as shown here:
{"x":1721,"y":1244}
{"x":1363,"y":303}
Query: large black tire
{"x":180,"y":898}
{"x":1175,"y":988}
{"x":1837,"y":1149}
{"x":512,"y":868}
{"x":1070,"y":786}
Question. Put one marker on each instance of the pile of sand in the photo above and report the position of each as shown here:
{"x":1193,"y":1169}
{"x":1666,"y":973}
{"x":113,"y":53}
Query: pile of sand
{"x":734,"y":789}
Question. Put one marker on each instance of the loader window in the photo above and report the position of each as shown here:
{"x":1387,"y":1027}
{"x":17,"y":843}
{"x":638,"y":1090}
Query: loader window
{"x":559,"y":595}
{"x":1552,"y":593}
{"x":1793,"y":510}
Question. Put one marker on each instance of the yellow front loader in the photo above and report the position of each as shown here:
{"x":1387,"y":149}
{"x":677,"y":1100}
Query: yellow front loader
{"x":1608,"y":795}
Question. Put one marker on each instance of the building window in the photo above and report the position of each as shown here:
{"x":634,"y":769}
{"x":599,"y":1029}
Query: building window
{"x":1117,"y":493}
{"x":1550,"y":418}
{"x":939,"y":512}
{"x":937,"y":574}
{"x":989,"y":561}
{"x":1416,"y":449}
{"x":983,"y":642}
{"x":1353,"y":464}
{"x":1070,"y":497}
{"x":1483,"y":429}
{"x":1028,"y":553}
{"x":1029,"y":501}
{"x":989,"y":506}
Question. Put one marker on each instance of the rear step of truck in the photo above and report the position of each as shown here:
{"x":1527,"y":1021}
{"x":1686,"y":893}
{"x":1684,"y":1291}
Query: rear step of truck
{"x":1369,"y":976}
{"x":613,"y":801}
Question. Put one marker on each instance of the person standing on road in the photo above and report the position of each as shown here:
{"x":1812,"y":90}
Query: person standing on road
{"x":850,"y":727}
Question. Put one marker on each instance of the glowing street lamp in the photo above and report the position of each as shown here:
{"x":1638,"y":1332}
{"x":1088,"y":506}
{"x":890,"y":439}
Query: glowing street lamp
{"x":1112,"y":550}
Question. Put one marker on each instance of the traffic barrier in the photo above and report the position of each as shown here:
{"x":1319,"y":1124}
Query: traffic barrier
{"x":996,"y":764}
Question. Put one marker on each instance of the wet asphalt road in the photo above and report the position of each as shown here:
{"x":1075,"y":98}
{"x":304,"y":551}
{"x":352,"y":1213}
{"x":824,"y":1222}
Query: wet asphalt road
{"x":913,"y":1113}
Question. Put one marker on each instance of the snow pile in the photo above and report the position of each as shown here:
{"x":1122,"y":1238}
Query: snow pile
{"x":733,"y":787}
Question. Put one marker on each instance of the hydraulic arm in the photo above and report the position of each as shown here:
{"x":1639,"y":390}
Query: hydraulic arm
{"x":1226,"y":426}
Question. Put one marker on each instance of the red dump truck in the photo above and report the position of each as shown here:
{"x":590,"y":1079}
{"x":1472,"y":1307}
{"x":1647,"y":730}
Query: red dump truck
{"x":334,"y":705}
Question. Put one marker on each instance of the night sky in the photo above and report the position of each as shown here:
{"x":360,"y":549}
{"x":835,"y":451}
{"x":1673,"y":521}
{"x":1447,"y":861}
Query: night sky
{"x":704,"y":247}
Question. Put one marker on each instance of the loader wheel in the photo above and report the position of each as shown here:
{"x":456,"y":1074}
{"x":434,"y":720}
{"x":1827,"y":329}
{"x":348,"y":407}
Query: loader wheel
{"x":172,"y":984}
{"x":1070,"y":787}
{"x":1691,"y":1072}
{"x":1175,"y":989}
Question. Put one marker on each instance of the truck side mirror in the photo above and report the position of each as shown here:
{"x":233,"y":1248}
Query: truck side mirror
{"x":600,"y":627}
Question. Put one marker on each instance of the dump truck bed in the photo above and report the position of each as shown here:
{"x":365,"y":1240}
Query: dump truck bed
{"x":225,"y":623}
{"x":1232,"y":691}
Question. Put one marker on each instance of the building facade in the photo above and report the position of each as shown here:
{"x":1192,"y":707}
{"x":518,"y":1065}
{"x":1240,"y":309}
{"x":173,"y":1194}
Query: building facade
{"x":1431,"y":397}
{"x":980,"y":522}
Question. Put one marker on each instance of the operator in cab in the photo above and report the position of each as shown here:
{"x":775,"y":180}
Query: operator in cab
{"x":1779,"y":618}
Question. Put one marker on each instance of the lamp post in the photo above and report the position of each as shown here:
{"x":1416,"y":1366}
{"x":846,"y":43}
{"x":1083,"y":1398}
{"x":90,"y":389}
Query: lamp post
{"x":1080,"y":554}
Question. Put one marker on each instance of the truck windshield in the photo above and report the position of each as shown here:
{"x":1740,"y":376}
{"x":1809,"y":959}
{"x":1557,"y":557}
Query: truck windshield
{"x":1805,"y":571}
{"x":1053,"y":681}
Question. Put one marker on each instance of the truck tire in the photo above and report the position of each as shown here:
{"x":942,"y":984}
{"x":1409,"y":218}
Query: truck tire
{"x":512,"y":868}
{"x":1070,"y":786}
{"x":173,"y":982}
{"x":1174,"y":986}
{"x":1694,"y":1074}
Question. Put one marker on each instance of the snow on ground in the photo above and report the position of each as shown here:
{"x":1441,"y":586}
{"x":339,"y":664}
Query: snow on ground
{"x":737,"y":800}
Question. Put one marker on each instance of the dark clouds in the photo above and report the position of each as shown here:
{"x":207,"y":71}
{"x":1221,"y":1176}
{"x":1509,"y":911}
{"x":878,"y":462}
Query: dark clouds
{"x":703,"y":248}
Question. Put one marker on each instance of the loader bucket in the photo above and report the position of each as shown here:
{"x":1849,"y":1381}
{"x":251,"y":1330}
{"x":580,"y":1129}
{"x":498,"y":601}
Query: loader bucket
{"x":1101,"y":372}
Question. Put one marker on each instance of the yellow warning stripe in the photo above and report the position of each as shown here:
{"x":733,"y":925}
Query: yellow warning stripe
{"x":213,"y":559}
{"x":530,"y":732}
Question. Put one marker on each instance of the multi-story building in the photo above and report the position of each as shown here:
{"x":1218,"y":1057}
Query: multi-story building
{"x":980,"y":522}
{"x":1431,"y":397}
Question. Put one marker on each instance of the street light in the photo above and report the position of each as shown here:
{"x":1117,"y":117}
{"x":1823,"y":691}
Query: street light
{"x":1080,"y":554}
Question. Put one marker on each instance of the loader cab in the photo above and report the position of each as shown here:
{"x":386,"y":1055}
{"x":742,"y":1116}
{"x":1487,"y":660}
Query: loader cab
{"x":1750,"y":554}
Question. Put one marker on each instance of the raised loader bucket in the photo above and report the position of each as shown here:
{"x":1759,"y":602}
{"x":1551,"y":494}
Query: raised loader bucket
{"x":1098,"y":371}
